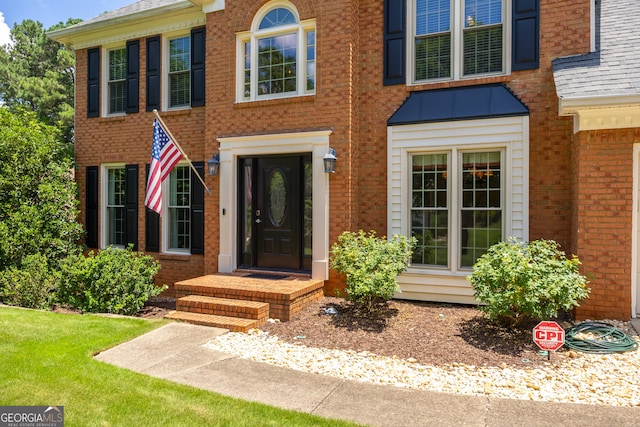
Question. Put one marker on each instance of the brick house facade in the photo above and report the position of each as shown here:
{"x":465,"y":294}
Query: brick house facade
{"x":462,"y":153}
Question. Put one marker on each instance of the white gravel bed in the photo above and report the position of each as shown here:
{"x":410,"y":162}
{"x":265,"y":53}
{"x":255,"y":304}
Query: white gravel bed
{"x":611,"y":379}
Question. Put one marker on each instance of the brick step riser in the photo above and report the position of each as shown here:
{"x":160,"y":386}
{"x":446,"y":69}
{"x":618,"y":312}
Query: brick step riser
{"x":223,"y":310}
{"x":230,"y":324}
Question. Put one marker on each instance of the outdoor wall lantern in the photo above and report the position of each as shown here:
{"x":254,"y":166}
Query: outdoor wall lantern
{"x":330,"y":161}
{"x":213,"y":164}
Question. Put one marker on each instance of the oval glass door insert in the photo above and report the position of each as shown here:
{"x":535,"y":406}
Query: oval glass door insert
{"x":277,"y":198}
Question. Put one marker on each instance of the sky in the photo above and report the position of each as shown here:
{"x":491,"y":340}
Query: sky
{"x":50,"y":12}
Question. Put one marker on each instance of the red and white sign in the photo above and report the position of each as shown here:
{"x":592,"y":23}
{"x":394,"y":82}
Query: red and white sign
{"x":548,"y":336}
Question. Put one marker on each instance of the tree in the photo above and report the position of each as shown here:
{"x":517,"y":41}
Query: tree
{"x":37,"y":74}
{"x":38,"y":203}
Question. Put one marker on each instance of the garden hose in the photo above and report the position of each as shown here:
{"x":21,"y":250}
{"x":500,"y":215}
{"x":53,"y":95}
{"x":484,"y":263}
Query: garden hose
{"x":598,"y":338}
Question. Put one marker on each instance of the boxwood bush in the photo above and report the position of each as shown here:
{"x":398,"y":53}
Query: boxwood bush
{"x":517,"y":281}
{"x":31,"y":285}
{"x":371,"y":265}
{"x":114,"y":280}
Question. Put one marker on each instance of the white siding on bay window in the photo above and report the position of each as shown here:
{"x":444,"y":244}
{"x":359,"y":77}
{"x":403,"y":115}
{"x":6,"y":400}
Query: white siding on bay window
{"x":510,"y":134}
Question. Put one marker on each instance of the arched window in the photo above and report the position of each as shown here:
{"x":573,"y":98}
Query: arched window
{"x":276,"y":58}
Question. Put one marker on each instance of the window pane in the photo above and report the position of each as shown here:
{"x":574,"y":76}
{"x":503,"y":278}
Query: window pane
{"x":179,"y":54}
{"x":247,"y":69}
{"x":433,"y":57}
{"x":432,"y":16}
{"x":311,"y":61}
{"x":180,"y":89}
{"x":482,"y":12}
{"x":116,"y":97}
{"x":277,"y":60}
{"x":308,"y":207}
{"x":276,"y":18}
{"x":481,"y":215}
{"x":482,"y":37}
{"x":117,"y":75}
{"x":117,"y":64}
{"x":429,"y":214}
{"x":115,"y":206}
{"x":483,"y":50}
{"x":179,"y":208}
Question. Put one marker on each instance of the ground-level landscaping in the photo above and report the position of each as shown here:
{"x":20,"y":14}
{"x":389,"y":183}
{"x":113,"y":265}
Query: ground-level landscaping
{"x":47,"y":360}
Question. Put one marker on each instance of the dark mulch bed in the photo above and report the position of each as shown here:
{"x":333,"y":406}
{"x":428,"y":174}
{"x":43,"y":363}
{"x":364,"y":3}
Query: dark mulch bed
{"x":431,"y":333}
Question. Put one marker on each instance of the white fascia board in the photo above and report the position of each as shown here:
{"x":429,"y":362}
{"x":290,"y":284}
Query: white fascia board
{"x":602,"y":112}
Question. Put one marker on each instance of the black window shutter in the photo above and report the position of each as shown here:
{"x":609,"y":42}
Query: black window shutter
{"x":197,"y":210}
{"x":153,"y":73}
{"x":198,"y":57}
{"x":91,"y":210}
{"x":133,"y":76}
{"x":131,"y":206}
{"x":394,"y":42}
{"x":526,"y":35}
{"x":93,"y":82}
{"x":151,"y":228}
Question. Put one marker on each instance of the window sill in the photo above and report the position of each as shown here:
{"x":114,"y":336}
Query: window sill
{"x":182,"y":111}
{"x":114,"y":118}
{"x":167,"y":256}
{"x":443,"y":84}
{"x":276,"y":101}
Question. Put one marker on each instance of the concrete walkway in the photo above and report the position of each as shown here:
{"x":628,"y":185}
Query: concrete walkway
{"x":175,"y":352}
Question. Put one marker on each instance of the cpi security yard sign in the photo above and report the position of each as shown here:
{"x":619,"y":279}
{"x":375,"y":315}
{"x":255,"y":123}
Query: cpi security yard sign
{"x":548,"y":336}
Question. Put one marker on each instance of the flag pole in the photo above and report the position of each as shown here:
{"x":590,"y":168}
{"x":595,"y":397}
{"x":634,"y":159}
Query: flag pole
{"x":175,"y":141}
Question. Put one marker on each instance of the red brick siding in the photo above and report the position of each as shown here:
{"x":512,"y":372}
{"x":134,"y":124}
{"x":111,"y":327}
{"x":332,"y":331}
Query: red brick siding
{"x":602,"y":217}
{"x":351,"y":101}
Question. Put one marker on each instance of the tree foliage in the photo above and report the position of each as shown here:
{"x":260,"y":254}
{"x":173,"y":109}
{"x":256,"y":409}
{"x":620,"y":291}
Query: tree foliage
{"x":37,"y":74}
{"x":38,"y":203}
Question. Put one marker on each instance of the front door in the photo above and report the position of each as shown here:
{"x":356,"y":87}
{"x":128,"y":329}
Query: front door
{"x":273,"y":226}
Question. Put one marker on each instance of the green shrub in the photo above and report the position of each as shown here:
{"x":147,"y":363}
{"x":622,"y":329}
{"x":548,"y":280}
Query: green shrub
{"x":30,"y":285}
{"x":518,"y":281}
{"x":114,"y":280}
{"x":371,"y":265}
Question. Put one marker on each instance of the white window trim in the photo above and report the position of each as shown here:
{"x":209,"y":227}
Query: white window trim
{"x":510,"y":134}
{"x":302,"y":28}
{"x":457,"y":15}
{"x":165,"y":231}
{"x":104,"y":198}
{"x":166,"y":38}
{"x":104,"y":81}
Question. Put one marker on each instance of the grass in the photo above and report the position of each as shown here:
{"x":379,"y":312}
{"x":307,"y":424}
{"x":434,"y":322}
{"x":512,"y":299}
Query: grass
{"x":47,"y":360}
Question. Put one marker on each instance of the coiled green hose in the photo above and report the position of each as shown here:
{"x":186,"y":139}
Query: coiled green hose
{"x":606,"y":338}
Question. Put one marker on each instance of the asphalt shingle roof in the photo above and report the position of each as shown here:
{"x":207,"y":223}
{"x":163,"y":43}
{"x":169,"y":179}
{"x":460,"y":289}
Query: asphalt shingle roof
{"x":137,"y":7}
{"x":614,"y":69}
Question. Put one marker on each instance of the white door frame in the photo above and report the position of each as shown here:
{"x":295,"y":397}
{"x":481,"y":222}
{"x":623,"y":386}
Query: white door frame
{"x":316,"y":143}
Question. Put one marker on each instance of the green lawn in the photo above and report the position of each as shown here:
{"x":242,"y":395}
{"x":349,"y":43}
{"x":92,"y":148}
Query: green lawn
{"x":46,"y":359}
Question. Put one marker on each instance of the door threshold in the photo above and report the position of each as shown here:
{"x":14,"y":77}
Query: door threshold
{"x":285,"y":273}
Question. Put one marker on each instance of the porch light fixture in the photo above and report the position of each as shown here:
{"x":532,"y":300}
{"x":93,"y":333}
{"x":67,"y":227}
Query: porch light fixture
{"x":330,"y":161}
{"x":213,"y":164}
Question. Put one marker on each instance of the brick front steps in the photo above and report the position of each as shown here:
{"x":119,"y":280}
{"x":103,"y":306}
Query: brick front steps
{"x":239,"y":302}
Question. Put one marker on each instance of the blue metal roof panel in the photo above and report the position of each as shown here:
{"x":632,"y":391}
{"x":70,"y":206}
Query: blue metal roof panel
{"x":461,"y":103}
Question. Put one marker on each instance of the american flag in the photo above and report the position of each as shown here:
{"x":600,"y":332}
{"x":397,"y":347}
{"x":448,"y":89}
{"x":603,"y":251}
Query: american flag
{"x":164,"y":156}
